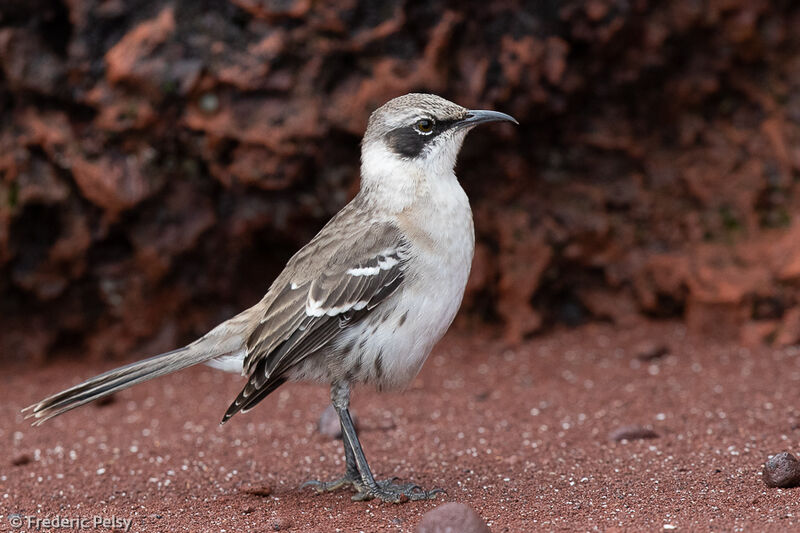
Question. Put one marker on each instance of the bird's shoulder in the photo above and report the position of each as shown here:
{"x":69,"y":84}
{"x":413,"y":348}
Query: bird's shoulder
{"x":354,"y":235}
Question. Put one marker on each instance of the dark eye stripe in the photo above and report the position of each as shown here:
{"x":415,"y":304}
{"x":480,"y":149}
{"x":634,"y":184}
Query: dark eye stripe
{"x":407,"y":142}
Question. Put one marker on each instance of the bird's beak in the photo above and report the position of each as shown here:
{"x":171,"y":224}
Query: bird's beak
{"x":479,"y":116}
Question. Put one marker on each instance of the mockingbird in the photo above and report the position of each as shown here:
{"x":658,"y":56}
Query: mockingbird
{"x":363,"y":302}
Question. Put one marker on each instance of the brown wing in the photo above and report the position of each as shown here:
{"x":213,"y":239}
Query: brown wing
{"x":309,"y":311}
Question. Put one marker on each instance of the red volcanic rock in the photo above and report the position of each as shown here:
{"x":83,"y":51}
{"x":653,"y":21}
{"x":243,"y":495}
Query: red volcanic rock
{"x":786,"y":255}
{"x":64,"y":262}
{"x":44,"y":75}
{"x":523,"y":258}
{"x":452,"y":517}
{"x":788,"y":332}
{"x":114,"y":183}
{"x":270,"y":9}
{"x":268,"y":122}
{"x":39,"y":182}
{"x":652,"y":174}
{"x":119,"y":111}
{"x":141,"y":58}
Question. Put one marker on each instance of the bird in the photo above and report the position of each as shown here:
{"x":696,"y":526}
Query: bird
{"x":364,"y":302}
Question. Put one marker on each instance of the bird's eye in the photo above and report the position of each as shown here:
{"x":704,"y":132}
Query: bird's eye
{"x":424,"y":125}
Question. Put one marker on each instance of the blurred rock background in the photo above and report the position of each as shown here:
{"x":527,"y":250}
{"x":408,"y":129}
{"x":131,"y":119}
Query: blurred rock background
{"x":160,"y":161}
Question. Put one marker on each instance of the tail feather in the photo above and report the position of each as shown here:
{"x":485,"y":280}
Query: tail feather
{"x":119,"y":379}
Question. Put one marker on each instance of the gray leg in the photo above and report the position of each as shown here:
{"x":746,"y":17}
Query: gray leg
{"x":358,"y":472}
{"x":351,"y":475}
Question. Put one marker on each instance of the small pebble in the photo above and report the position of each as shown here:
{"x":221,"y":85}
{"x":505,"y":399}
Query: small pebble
{"x":106,"y":400}
{"x":782,"y":470}
{"x":633,"y":432}
{"x":281,"y":524}
{"x":262,"y":490}
{"x":21,"y":460}
{"x":452,"y":517}
{"x":329,"y":425}
{"x":650,"y":351}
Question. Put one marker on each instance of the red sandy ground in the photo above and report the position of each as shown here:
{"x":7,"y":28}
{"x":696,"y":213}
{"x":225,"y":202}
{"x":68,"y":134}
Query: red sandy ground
{"x":520,"y":435}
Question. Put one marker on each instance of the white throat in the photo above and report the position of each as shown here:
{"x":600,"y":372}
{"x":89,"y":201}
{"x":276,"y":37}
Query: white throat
{"x":394,"y":183}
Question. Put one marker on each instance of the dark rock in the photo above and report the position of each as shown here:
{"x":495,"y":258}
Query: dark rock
{"x":28,"y":64}
{"x":452,"y":517}
{"x":650,"y":351}
{"x":782,"y":471}
{"x":106,"y":401}
{"x":21,"y":460}
{"x":258,"y":490}
{"x":632,"y":432}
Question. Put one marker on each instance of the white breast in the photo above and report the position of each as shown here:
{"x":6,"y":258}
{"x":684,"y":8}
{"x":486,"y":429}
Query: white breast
{"x":443,"y":241}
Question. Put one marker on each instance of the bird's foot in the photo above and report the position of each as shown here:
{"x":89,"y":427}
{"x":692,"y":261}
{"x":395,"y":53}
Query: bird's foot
{"x":346,"y":480}
{"x":389,"y":491}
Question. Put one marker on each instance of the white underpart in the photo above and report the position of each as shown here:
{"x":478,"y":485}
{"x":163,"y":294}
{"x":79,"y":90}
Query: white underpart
{"x":438,"y":265}
{"x":229,"y":363}
{"x":437,"y":280}
{"x":231,"y":347}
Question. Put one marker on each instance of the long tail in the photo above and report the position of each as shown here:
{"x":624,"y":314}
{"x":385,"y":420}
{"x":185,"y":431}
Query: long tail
{"x":200,"y":351}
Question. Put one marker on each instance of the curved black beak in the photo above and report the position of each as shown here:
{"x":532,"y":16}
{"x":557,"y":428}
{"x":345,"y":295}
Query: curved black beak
{"x":479,"y":116}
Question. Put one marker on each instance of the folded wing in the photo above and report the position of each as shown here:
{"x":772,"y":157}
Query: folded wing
{"x":313,"y":305}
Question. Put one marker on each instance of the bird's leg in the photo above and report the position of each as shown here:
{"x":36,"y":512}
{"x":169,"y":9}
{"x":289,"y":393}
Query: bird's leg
{"x":358,"y":473}
{"x":350,"y":477}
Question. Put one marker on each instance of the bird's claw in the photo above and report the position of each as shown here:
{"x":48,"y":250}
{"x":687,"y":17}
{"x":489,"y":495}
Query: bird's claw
{"x":389,"y":491}
{"x":329,"y":486}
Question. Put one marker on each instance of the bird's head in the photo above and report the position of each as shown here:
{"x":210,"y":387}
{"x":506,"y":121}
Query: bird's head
{"x":417,"y":136}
